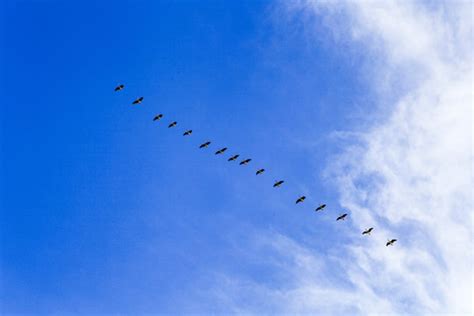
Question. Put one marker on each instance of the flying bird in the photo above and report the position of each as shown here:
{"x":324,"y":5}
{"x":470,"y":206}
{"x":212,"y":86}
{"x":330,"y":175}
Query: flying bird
{"x":341,"y":217}
{"x":367,"y":231}
{"x":244,"y":162}
{"x":119,"y":87}
{"x":390,"y":242}
{"x":278,"y":183}
{"x":188,"y":132}
{"x":300,"y":199}
{"x":234,"y":157}
{"x":320,"y":208}
{"x":205,"y":145}
{"x":221,"y":151}
{"x":138,"y":101}
{"x":158,"y":117}
{"x":172,"y":124}
{"x":260,"y":171}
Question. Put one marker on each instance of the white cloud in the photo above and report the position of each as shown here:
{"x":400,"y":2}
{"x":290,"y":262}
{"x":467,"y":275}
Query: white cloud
{"x":409,"y":175}
{"x":421,"y":157}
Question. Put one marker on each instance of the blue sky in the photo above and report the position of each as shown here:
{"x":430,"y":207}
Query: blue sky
{"x":106,"y":212}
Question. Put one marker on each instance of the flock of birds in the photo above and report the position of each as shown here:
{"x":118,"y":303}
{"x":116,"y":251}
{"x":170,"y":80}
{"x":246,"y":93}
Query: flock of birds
{"x":221,"y":151}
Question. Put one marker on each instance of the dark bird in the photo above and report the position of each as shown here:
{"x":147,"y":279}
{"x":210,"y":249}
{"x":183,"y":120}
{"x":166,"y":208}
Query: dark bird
{"x":300,"y":199}
{"x":158,"y":117}
{"x":221,"y":151}
{"x":244,"y":162}
{"x":205,"y":145}
{"x":234,"y":157}
{"x":188,"y":132}
{"x":119,"y":87}
{"x":367,"y":231}
{"x":390,"y":242}
{"x":278,"y":183}
{"x":138,"y":101}
{"x":172,"y":124}
{"x":260,"y":171}
{"x":320,"y":208}
{"x":341,"y":217}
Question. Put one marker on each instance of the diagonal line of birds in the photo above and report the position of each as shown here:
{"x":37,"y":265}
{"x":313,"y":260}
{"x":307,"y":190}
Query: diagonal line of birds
{"x":277,"y":184}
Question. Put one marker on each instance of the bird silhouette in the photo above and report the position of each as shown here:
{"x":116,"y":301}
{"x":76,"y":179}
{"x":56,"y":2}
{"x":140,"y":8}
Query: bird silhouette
{"x":390,"y":242}
{"x":278,"y":183}
{"x":260,"y":171}
{"x":138,"y":101}
{"x":234,"y":157}
{"x":341,"y":217}
{"x":119,"y":87}
{"x":221,"y":151}
{"x":300,"y":199}
{"x":367,"y":231}
{"x":158,"y":117}
{"x":244,"y":162}
{"x":205,"y":145}
{"x":320,"y":208}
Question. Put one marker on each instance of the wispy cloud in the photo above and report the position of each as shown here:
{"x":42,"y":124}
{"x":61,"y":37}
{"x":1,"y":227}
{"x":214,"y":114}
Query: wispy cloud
{"x":409,"y":175}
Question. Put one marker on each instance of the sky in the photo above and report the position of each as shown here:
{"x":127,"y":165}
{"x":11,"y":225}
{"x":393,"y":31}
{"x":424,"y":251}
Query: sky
{"x":365,"y":106}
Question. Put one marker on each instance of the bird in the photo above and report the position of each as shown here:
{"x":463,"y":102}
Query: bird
{"x":367,"y":231}
{"x":158,"y":117}
{"x":246,"y":161}
{"x":188,"y":132}
{"x":390,"y":242}
{"x":260,"y":171}
{"x":205,"y":145}
{"x":278,"y":183}
{"x":300,"y":199}
{"x":119,"y":87}
{"x":234,"y":157}
{"x":320,"y":208}
{"x":342,"y":217}
{"x":138,"y":101}
{"x":173,"y":124}
{"x":221,"y":151}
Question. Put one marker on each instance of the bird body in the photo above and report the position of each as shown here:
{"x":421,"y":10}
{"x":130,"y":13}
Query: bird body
{"x":341,"y":217}
{"x":320,"y":208}
{"x":234,"y":157}
{"x":260,"y":171}
{"x":278,"y":183}
{"x":221,"y":151}
{"x":119,"y":87}
{"x":390,"y":242}
{"x":158,"y":117}
{"x":173,"y":124}
{"x":367,"y":231}
{"x":188,"y":132}
{"x":244,"y":162}
{"x":205,"y":145}
{"x":138,"y":101}
{"x":300,"y":199}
